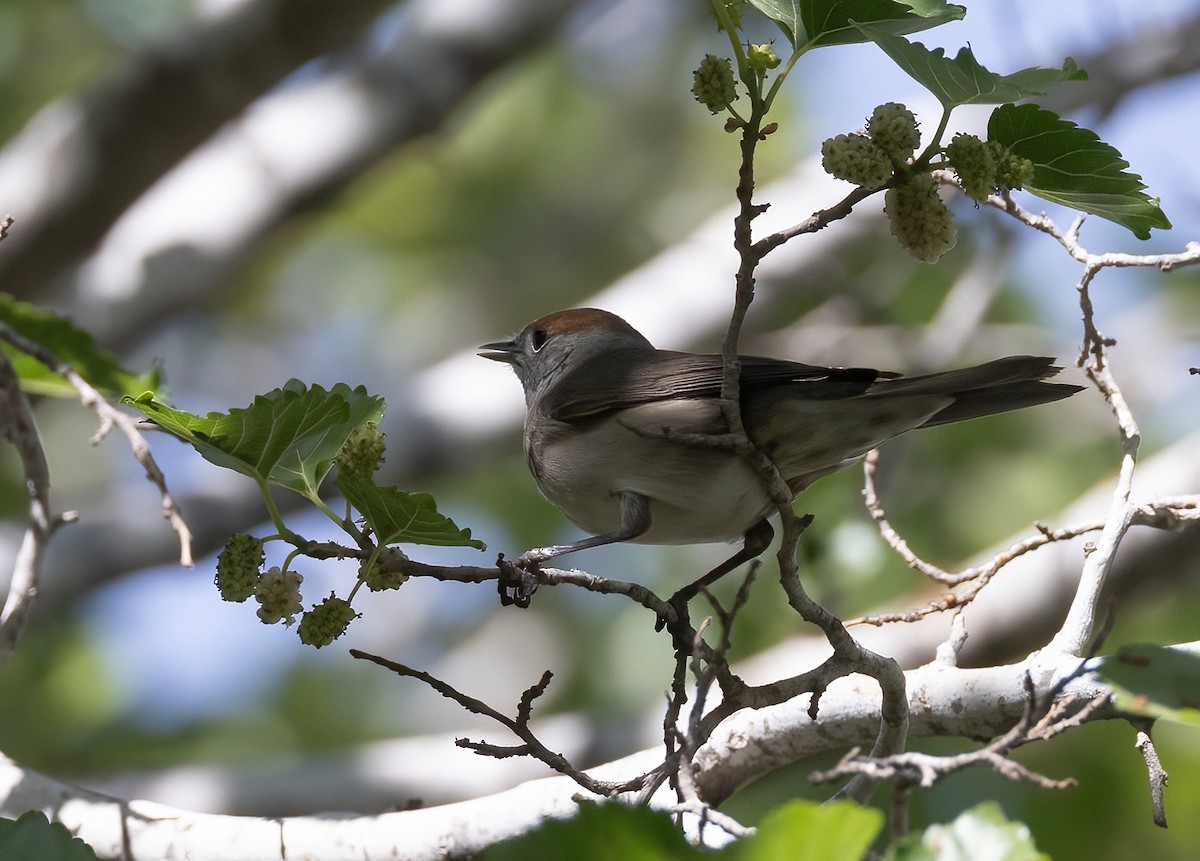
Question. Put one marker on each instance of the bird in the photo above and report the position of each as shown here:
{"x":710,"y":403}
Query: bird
{"x":615,"y":429}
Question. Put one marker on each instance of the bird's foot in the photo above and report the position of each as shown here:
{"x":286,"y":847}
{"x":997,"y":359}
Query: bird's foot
{"x":518,"y":579}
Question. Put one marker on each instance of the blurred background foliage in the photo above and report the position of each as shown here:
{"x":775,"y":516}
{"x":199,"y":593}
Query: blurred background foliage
{"x":572,"y":157}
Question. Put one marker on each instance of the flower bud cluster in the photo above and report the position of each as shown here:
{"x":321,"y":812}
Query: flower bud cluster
{"x":325,"y":622}
{"x":238,"y":567}
{"x":762,"y":58}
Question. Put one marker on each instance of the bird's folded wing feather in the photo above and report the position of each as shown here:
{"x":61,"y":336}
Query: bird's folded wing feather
{"x":613,"y":385}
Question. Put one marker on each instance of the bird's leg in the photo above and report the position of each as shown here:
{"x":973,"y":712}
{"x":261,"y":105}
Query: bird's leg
{"x":757,"y":539}
{"x":518,"y":579}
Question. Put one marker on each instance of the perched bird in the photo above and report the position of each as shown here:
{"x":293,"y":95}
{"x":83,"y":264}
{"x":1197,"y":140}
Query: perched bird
{"x":611,"y":425}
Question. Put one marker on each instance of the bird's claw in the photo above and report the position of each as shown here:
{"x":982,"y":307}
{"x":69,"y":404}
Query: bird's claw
{"x":518,"y":580}
{"x":676,"y":613}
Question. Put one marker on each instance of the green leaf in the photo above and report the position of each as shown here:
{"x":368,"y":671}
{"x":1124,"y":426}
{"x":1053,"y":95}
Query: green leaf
{"x":805,"y":831}
{"x":397,"y":517}
{"x":288,"y":436}
{"x":35,"y":836}
{"x":1072,"y":166}
{"x":962,"y":80}
{"x":981,"y":832}
{"x":601,"y":832}
{"x":815,"y":23}
{"x":72,"y":346}
{"x":1155,"y":681}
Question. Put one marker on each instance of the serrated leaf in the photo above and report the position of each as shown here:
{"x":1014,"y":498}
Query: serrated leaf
{"x":71,"y":345}
{"x":397,"y":517}
{"x":601,"y":832}
{"x":1072,"y":166}
{"x":981,"y":832}
{"x":806,"y":831}
{"x":288,"y":436}
{"x":816,"y":23}
{"x":32,"y":835}
{"x":962,"y":80}
{"x":1155,"y":681}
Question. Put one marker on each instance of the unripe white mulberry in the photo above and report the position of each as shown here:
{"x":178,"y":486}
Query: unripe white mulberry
{"x":278,"y":593}
{"x":893,"y":128}
{"x":713,"y":84}
{"x":918,"y":218}
{"x":238,"y":567}
{"x":972,"y":161}
{"x":384,"y":573}
{"x":856,"y":159}
{"x":362,"y":453}
{"x":1012,"y":171}
{"x":325,"y":622}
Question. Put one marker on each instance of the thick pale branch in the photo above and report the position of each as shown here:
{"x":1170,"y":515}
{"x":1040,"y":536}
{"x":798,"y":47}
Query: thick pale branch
{"x":943,"y":702}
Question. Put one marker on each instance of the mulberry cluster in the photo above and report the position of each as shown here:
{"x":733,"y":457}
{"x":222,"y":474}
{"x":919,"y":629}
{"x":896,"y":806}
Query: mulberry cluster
{"x":238,"y":567}
{"x":972,"y":161}
{"x":869,"y":160}
{"x":362,"y":453}
{"x":278,"y":593}
{"x":919,"y":219}
{"x":325,"y":622}
{"x":713,"y":83}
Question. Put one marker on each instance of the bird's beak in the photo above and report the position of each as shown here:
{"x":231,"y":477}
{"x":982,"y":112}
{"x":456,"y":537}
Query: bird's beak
{"x":500,"y":351}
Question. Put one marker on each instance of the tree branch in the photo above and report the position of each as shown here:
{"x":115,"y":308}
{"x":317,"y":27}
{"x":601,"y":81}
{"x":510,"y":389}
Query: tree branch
{"x":111,"y":417}
{"x":944,"y":702}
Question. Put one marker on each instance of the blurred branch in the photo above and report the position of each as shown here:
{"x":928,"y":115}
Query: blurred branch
{"x":17,"y":427}
{"x":1126,"y":66}
{"x":105,"y":150}
{"x":162,"y":257}
{"x":110,"y":417}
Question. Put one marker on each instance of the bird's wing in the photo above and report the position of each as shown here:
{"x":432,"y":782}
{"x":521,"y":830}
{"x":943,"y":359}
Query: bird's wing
{"x":669,"y":375}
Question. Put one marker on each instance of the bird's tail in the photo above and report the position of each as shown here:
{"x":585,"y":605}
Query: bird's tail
{"x":993,"y":387}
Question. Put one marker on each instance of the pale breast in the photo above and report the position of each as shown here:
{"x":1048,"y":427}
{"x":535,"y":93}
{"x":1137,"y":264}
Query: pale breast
{"x":697,"y":494}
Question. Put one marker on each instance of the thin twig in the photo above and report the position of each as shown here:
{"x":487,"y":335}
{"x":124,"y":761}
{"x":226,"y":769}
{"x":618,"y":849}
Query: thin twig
{"x":1041,"y":720}
{"x":531,"y":745}
{"x":17,"y":427}
{"x":1156,"y":774}
{"x":111,"y":417}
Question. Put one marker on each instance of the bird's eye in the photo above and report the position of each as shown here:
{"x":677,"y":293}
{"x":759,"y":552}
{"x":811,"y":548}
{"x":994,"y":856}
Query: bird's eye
{"x":538,"y":339}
